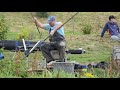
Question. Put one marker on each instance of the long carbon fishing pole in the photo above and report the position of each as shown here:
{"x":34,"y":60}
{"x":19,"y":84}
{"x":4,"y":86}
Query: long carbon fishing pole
{"x":70,"y":19}
{"x":46,"y":37}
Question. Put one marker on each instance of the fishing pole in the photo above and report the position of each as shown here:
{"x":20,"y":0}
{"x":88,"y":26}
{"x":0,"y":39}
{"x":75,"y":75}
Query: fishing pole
{"x":70,"y":19}
{"x":39,"y":42}
{"x":37,"y":26}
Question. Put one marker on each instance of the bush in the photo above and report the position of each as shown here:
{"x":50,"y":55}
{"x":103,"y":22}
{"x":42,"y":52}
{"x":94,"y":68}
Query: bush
{"x":1,"y":50}
{"x":31,"y":35}
{"x":42,"y":14}
{"x":3,"y":28}
{"x":87,"y":29}
{"x":26,"y":34}
{"x":23,"y":34}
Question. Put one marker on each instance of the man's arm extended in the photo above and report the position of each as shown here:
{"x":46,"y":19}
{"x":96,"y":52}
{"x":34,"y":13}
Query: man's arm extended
{"x":39,"y":23}
{"x":56,"y":28}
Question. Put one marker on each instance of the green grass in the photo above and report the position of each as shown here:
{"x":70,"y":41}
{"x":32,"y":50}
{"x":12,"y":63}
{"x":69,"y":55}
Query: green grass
{"x":96,"y":50}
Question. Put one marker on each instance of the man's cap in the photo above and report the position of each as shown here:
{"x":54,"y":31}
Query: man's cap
{"x":51,"y":18}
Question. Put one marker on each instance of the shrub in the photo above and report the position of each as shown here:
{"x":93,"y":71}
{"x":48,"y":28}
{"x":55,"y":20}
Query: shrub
{"x":3,"y":28}
{"x":1,"y":50}
{"x":87,"y":29}
{"x":42,"y":14}
{"x":31,"y":35}
{"x":23,"y":34}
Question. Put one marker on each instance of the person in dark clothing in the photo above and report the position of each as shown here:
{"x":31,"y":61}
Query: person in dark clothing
{"x":113,"y":28}
{"x":57,"y":39}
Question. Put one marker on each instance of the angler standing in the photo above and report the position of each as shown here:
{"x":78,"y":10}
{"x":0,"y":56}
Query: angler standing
{"x":57,"y":40}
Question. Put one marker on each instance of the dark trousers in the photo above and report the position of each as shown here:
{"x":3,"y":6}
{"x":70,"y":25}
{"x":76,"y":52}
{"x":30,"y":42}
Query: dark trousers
{"x":47,"y":47}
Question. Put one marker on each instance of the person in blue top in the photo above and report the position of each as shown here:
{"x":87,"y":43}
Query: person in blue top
{"x":113,"y":28}
{"x":57,"y":38}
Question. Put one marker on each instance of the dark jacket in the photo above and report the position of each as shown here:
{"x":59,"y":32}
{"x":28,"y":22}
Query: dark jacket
{"x":113,"y":29}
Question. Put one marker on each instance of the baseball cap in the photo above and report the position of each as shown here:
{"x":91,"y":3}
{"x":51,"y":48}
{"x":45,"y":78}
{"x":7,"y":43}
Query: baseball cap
{"x":51,"y":18}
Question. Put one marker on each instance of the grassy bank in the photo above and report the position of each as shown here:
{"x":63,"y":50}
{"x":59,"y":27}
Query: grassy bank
{"x":96,"y":50}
